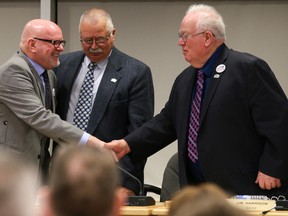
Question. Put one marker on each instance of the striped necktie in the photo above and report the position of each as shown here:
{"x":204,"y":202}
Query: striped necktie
{"x":195,"y":119}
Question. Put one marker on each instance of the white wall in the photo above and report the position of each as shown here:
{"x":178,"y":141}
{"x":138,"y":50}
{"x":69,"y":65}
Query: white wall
{"x":148,"y":31}
{"x":13,"y":16}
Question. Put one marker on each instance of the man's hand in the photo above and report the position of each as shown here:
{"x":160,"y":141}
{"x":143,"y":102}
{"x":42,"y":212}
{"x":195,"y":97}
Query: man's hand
{"x":95,"y":142}
{"x":267,"y":182}
{"x":126,"y":192}
{"x":120,"y":147}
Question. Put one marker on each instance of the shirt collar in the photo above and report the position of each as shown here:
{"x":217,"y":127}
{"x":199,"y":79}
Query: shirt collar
{"x":39,"y":69}
{"x":209,"y":66}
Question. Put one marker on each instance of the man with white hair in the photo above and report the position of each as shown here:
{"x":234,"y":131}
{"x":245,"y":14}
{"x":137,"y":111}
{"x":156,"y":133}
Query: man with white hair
{"x":227,"y":111}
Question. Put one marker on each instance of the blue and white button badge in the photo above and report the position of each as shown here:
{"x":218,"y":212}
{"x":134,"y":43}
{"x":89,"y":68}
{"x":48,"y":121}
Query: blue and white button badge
{"x":219,"y":69}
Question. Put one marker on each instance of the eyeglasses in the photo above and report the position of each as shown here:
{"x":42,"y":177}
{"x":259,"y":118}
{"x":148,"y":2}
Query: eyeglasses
{"x":98,"y":40}
{"x":55,"y":43}
{"x":185,"y":37}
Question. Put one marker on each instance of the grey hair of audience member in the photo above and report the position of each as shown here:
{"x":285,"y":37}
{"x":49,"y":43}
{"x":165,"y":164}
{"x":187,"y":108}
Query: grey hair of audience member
{"x":203,"y":200}
{"x":95,"y":15}
{"x":83,"y":181}
{"x":209,"y":20}
{"x":18,"y":185}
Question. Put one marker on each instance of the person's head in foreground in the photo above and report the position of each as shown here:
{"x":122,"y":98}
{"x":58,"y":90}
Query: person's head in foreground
{"x":18,"y":185}
{"x":84,"y":181}
{"x":203,"y":200}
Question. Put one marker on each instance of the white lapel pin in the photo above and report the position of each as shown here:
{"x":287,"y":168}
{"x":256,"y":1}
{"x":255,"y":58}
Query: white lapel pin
{"x":220,"y":68}
{"x":113,"y":80}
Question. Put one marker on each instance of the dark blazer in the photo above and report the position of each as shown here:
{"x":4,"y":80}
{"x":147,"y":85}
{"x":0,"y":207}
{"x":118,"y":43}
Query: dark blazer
{"x":243,"y":128}
{"x":119,"y":107}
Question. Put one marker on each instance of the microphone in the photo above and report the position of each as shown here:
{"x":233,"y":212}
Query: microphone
{"x":140,"y":200}
{"x":281,"y":205}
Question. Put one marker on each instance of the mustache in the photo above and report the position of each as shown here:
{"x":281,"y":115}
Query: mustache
{"x":98,"y":50}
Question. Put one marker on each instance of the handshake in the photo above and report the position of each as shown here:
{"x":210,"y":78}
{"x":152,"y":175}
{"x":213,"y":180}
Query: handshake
{"x":117,"y":148}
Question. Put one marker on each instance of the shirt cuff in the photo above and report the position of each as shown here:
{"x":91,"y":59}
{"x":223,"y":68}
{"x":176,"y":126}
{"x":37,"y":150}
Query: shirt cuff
{"x":84,"y":139}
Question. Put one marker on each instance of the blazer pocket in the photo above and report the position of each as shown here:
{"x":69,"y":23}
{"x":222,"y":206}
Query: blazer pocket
{"x":119,"y":105}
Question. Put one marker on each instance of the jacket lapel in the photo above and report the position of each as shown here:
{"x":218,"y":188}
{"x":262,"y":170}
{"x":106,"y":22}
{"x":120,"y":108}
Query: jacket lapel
{"x":109,"y":82}
{"x":214,"y":83}
{"x":181,"y":103}
{"x":75,"y":65}
{"x":39,"y":84}
{"x":70,"y":71}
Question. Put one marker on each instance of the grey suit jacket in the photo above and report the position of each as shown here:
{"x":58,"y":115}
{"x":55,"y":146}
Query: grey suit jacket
{"x":119,"y":107}
{"x":24,"y":121}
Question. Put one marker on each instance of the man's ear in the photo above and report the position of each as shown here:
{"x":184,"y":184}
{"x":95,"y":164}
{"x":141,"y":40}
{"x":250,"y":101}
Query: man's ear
{"x":113,"y":34}
{"x":43,"y":202}
{"x":32,"y":45}
{"x":209,"y":38}
{"x":120,"y":200}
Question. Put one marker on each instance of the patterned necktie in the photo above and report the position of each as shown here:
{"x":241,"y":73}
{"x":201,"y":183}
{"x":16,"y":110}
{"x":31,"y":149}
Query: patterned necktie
{"x":48,"y":96}
{"x":45,"y":143}
{"x":194,"y":119}
{"x":84,"y":104}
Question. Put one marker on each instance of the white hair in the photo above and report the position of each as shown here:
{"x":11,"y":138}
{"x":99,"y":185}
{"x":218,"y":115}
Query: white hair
{"x":209,"y":20}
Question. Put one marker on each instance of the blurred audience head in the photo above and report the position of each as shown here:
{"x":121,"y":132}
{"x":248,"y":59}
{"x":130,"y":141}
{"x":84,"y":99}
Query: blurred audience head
{"x":203,"y":200}
{"x":84,"y":181}
{"x":18,"y":185}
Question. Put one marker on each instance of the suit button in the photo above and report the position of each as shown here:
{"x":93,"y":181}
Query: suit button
{"x":5,"y":122}
{"x":38,"y":157}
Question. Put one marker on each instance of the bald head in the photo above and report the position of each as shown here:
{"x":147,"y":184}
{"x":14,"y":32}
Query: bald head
{"x":40,"y":28}
{"x":37,"y":42}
